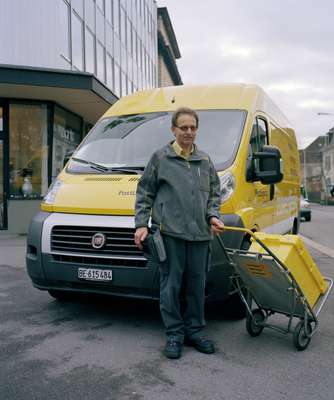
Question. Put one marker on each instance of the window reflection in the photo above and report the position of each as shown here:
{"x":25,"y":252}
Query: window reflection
{"x":66,"y":137}
{"x":28,"y":154}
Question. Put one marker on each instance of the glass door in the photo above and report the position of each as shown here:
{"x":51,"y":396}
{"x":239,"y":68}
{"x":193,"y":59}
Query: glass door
{"x":3,"y":203}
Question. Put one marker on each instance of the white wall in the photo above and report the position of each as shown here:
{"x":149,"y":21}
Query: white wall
{"x":28,"y":33}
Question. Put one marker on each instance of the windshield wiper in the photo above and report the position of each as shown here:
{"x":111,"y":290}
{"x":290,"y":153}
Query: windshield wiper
{"x":93,"y":165}
{"x":128,"y":170}
{"x":102,"y":168}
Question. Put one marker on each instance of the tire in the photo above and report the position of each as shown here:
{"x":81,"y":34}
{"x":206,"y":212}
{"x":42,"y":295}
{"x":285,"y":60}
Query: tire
{"x":300,"y":339}
{"x":62,"y":295}
{"x":233,"y":307}
{"x":254,"y":325}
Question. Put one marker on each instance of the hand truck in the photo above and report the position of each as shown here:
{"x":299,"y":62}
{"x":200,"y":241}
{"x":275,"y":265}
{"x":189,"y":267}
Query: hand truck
{"x":263,"y":279}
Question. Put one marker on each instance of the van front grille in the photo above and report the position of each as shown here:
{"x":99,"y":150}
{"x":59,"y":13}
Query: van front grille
{"x":95,"y":261}
{"x":78,"y":239}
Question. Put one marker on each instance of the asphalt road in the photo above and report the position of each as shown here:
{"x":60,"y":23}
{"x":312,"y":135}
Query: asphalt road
{"x":102,"y":348}
{"x":321,"y":227}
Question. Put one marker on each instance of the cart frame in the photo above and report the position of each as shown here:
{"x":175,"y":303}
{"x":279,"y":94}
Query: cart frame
{"x":296,"y":305}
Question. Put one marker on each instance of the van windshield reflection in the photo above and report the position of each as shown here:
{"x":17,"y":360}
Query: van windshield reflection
{"x":125,"y":143}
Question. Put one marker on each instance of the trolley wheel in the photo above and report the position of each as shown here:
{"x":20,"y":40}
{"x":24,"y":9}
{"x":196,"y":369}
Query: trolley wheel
{"x":300,"y":338}
{"x":254,"y":325}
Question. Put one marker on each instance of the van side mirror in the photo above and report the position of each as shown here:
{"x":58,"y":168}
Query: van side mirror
{"x":267,"y":165}
{"x":67,"y":156}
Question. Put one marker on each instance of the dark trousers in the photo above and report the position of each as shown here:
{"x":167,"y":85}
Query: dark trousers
{"x":186,"y":262}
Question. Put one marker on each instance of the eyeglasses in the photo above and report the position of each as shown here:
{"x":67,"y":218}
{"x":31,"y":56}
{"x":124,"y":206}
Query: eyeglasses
{"x":186,"y":128}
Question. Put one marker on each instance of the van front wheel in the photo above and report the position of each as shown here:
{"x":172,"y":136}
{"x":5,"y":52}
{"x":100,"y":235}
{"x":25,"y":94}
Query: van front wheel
{"x":234,"y":307}
{"x":62,"y":295}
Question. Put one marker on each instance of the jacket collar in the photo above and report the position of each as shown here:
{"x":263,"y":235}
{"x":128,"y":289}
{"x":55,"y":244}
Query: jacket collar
{"x":196,"y":155}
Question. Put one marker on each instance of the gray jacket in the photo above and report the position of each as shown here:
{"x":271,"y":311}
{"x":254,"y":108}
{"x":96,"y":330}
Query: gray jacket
{"x":182,"y":194}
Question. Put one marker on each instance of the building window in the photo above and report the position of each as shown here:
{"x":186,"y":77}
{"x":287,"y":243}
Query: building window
{"x":110,"y":72}
{"x":90,"y":14}
{"x":66,"y":137}
{"x":100,"y":62}
{"x":77,"y":41}
{"x":124,"y":85}
{"x":78,"y":6}
{"x":64,"y":29}
{"x":100,"y":27}
{"x":129,"y":37}
{"x":109,"y":39}
{"x":117,"y":49}
{"x":90,"y":52}
{"x":28,"y":151}
{"x":328,"y":163}
{"x":109,"y":13}
{"x":117,"y":81}
{"x":123,"y":26}
{"x":116,"y":17}
{"x":100,"y":4}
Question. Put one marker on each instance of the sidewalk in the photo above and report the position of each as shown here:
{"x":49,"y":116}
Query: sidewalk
{"x":12,"y":249}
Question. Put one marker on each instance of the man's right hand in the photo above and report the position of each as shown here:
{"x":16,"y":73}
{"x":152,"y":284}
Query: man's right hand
{"x":140,"y":236}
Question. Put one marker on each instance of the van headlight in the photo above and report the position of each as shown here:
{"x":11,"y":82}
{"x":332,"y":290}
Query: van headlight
{"x":227,"y":186}
{"x":51,"y":194}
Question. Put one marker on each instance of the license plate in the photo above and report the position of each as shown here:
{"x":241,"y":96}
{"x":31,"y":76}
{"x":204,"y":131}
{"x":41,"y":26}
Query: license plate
{"x":91,"y":274}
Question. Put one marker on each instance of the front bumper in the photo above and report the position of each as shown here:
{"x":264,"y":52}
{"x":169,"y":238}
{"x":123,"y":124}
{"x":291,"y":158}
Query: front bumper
{"x":49,"y":269}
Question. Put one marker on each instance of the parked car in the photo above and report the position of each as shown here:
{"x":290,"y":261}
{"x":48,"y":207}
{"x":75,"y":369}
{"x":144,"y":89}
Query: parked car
{"x":305,"y":209}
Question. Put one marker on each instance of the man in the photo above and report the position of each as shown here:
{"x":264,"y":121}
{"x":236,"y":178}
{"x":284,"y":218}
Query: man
{"x":181,"y":188}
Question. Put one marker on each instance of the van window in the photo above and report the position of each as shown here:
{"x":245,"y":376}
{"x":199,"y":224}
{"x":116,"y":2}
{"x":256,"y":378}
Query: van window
{"x":259,"y":136}
{"x":130,"y":140}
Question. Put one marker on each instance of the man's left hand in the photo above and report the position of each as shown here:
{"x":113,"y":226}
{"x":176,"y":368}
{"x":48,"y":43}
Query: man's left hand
{"x":217,"y":225}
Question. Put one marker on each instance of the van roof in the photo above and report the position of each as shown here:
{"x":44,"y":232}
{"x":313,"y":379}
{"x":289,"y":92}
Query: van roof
{"x":225,"y":96}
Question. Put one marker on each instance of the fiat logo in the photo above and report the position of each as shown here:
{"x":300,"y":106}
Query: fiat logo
{"x":98,"y":240}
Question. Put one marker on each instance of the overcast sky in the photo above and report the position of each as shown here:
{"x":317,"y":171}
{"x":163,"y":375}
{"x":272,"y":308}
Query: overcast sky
{"x":285,"y":46}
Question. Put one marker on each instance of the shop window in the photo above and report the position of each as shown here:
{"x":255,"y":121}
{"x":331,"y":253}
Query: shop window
{"x":66,"y":137}
{"x":28,"y":151}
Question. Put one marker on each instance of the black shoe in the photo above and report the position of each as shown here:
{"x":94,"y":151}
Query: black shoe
{"x":173,"y":348}
{"x":201,"y":343}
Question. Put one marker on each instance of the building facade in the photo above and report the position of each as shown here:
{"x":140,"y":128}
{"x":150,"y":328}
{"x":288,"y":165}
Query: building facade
{"x":317,"y":167}
{"x":168,"y":51}
{"x":62,"y":65}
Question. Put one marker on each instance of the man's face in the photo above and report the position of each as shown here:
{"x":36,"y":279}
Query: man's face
{"x":185,"y":131}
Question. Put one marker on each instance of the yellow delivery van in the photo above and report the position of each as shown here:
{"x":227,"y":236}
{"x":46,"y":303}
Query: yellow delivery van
{"x":82,"y":238}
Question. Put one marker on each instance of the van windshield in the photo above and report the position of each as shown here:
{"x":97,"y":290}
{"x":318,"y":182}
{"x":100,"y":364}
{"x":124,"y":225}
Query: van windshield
{"x":127,"y":142}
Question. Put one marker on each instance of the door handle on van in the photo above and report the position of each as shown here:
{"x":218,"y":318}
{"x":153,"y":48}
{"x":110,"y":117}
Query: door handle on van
{"x":272,"y":191}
